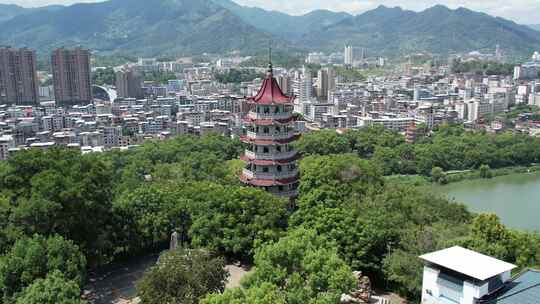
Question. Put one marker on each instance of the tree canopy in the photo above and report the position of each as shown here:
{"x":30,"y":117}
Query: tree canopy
{"x":182,"y":276}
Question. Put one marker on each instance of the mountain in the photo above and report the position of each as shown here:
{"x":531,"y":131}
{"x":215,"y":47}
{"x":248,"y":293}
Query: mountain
{"x":182,"y":27}
{"x":535,"y":27}
{"x":8,"y":11}
{"x":281,"y":24}
{"x":437,"y":30}
{"x":157,"y":27}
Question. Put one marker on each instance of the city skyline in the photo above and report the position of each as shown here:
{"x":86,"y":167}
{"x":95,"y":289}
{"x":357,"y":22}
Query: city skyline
{"x":518,"y":11}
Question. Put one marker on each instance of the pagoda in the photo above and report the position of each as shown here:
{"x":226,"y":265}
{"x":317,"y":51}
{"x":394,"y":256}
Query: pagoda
{"x":270,"y":157}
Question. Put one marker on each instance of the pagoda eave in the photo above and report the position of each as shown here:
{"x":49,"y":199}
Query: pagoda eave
{"x":259,"y":182}
{"x":268,"y":122}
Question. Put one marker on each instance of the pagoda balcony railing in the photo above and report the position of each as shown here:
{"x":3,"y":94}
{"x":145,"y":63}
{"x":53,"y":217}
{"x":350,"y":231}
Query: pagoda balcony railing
{"x":270,"y":156}
{"x":270,"y":136}
{"x":270,"y":175}
{"x":281,"y":115}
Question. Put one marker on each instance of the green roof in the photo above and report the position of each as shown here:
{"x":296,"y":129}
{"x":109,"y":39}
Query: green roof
{"x":523,"y":289}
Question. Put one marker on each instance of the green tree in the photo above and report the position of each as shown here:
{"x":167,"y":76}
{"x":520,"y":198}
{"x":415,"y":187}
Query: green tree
{"x":305,"y":266}
{"x":104,"y":77}
{"x":54,"y":289}
{"x":438,"y":175}
{"x":182,"y":276}
{"x":322,"y":143}
{"x":149,"y":215}
{"x":485,"y":171}
{"x":489,"y":236}
{"x":234,"y":220}
{"x":34,"y":258}
{"x":264,"y":294}
{"x":337,"y":178}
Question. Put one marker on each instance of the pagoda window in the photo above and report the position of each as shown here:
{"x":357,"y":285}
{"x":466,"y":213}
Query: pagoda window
{"x":266,"y":110}
{"x":280,"y":188}
{"x":279,"y":169}
{"x":276,"y":110}
{"x":266,"y":150}
{"x":265,"y":169}
{"x":278,"y":129}
{"x":278,"y":148}
{"x":258,"y":109}
{"x":266,"y":130}
{"x":254,"y":167}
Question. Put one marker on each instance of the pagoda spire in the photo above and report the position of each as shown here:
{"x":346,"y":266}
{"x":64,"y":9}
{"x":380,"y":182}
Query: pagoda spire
{"x":270,"y":71}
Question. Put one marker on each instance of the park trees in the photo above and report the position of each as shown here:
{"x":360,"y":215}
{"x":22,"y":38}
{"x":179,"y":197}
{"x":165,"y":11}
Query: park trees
{"x":34,"y":258}
{"x":53,"y":289}
{"x":182,"y":276}
{"x":302,"y":267}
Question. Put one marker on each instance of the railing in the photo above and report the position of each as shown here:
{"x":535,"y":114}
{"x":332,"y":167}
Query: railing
{"x":281,"y":115}
{"x":270,"y":136}
{"x":270,"y":156}
{"x":270,"y":175}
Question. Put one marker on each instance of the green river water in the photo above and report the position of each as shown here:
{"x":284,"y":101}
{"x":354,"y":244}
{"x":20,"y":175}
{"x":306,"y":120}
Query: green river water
{"x":514,"y":198}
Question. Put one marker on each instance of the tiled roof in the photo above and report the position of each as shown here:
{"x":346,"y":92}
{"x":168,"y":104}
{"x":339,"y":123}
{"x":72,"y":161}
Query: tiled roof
{"x":523,"y":289}
{"x":270,"y":92}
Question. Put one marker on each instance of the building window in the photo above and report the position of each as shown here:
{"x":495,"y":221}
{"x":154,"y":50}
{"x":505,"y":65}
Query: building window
{"x":265,"y":169}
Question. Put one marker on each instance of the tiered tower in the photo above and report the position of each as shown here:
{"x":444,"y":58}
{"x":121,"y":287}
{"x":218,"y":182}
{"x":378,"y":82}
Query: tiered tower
{"x":270,"y":157}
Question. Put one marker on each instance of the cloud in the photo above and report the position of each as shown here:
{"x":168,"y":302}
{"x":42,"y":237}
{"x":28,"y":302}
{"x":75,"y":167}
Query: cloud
{"x":517,"y":10}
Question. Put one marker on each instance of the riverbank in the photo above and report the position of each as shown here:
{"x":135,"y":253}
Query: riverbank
{"x":459,"y":176}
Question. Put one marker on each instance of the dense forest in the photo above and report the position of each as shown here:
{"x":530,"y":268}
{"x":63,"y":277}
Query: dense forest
{"x":63,"y":213}
{"x":449,"y":148}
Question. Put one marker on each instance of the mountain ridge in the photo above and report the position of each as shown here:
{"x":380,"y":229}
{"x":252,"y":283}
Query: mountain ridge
{"x":173,"y":27}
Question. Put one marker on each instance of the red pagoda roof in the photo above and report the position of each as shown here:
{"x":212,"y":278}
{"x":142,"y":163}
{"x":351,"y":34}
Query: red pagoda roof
{"x":270,"y":92}
{"x":268,"y":182}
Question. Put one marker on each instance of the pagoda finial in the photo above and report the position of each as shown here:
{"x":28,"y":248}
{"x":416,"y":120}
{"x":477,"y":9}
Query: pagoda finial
{"x":270,"y":71}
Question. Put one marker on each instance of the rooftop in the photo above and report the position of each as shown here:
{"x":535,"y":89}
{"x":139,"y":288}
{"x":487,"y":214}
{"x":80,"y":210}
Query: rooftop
{"x":523,"y":289}
{"x":468,"y":262}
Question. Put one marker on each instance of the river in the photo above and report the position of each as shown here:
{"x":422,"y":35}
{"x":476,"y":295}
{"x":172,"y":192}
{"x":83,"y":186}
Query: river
{"x":514,"y":198}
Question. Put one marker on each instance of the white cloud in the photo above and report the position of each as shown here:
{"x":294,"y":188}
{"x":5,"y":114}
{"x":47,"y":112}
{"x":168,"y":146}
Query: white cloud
{"x":517,"y":10}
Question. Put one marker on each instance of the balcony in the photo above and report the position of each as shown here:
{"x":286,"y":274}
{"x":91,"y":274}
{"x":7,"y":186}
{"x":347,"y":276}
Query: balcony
{"x":270,"y":175}
{"x":270,"y":156}
{"x":270,"y":136}
{"x":281,"y":115}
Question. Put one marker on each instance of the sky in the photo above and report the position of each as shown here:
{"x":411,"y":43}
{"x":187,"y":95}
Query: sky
{"x":521,"y":11}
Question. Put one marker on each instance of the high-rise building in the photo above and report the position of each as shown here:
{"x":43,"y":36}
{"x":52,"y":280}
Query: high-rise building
{"x":18,"y":77}
{"x":349,"y":55}
{"x":128,"y":84}
{"x":303,"y":86}
{"x":326,"y":81}
{"x":270,"y":157}
{"x":71,"y":75}
{"x":285,"y":84}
